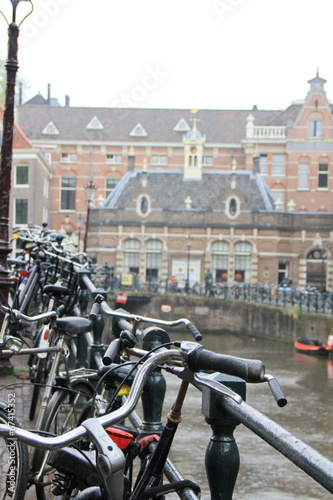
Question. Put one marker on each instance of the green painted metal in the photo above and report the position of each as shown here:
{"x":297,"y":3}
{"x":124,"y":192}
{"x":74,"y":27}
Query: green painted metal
{"x":222,"y":456}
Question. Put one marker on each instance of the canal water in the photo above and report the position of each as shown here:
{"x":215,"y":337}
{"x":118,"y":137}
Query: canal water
{"x":264,"y":473}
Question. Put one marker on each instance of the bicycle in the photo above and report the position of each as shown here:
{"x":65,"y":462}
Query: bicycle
{"x":64,"y":394}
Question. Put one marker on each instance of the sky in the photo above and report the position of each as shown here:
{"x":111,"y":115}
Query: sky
{"x":192,"y":54}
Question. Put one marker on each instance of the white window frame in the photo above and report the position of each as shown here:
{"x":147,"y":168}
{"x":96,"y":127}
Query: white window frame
{"x":15,"y":213}
{"x":109,"y":190}
{"x":314,"y":130}
{"x":325,"y":174}
{"x":139,"y":202}
{"x":303,"y":176}
{"x":207,"y":160}
{"x":227,"y":207}
{"x":68,"y":157}
{"x":278,"y":167}
{"x":114,"y":158}
{"x":22,"y":185}
{"x":159,"y":159}
{"x":262,"y":170}
{"x":68,"y":189}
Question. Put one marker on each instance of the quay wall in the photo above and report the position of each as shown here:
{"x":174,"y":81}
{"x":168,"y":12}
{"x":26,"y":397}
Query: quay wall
{"x":235,"y":316}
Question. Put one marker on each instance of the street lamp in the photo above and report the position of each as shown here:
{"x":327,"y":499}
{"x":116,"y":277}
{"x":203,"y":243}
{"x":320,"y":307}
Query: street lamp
{"x":7,"y":146}
{"x":89,"y":193}
{"x":189,"y":244}
{"x":79,"y":223}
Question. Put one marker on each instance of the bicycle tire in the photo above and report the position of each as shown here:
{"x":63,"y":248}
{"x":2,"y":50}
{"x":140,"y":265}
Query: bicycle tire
{"x":63,"y":404}
{"x":13,"y":482}
{"x":38,"y":382}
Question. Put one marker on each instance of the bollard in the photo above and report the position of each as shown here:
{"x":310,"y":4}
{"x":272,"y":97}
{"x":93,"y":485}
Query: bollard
{"x":97,"y":348}
{"x":152,"y":402}
{"x":222,"y":457}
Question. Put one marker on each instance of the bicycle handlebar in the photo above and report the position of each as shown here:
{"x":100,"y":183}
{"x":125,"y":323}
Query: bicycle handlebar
{"x":29,"y":319}
{"x":100,"y":302}
{"x":200,"y":359}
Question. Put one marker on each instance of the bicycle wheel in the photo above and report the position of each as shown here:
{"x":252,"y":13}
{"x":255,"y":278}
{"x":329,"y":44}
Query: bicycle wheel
{"x":62,"y":415}
{"x":14,"y":467}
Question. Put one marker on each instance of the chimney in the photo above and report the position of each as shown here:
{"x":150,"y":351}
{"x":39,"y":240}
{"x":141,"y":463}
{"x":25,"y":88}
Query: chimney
{"x":20,"y":93}
{"x":67,"y":101}
{"x":49,"y":94}
{"x":131,"y":160}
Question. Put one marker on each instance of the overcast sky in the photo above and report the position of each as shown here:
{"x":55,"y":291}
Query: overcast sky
{"x":201,"y":54}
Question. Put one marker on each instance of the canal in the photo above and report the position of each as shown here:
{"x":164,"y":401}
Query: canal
{"x":264,"y":473}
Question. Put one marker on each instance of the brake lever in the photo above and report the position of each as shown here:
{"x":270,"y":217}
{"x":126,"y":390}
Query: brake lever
{"x":204,"y":379}
{"x":207,"y":381}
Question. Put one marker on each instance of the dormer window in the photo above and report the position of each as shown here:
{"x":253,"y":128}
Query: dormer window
{"x":232,"y":207}
{"x":138,"y":131}
{"x":143,"y":205}
{"x":315,"y":128}
{"x":50,"y":129}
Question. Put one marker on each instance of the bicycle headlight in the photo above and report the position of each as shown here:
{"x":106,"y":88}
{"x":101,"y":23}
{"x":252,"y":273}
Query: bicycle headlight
{"x":13,"y":344}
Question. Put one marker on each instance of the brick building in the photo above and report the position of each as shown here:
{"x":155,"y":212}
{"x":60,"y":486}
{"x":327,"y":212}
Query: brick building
{"x":251,"y":188}
{"x":30,"y":182}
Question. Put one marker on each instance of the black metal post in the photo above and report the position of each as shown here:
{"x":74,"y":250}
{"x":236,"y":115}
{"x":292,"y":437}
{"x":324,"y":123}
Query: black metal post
{"x":6,"y":158}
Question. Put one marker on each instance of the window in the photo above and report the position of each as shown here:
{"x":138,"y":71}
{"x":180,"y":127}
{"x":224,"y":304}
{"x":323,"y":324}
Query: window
{"x":278,"y":164}
{"x":207,"y":160}
{"x":131,"y":256}
{"x":159,"y":159}
{"x":263,"y":164}
{"x":323,"y":176}
{"x":220,"y":261}
{"x":243,"y":262}
{"x":68,"y":193}
{"x":114,"y":158}
{"x":22,"y":175}
{"x":111,"y":183}
{"x":153,"y":259}
{"x":232,"y":207}
{"x":315,"y":128}
{"x":21,"y":211}
{"x":303,"y":176}
{"x":143,"y":206}
{"x":68,"y":157}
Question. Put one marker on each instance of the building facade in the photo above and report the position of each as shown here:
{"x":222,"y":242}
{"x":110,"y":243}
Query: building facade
{"x":30,"y":181}
{"x":246,"y":194}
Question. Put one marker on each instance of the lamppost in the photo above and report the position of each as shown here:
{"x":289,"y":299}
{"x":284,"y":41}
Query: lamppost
{"x":80,"y":222}
{"x":189,"y":244}
{"x":89,"y":192}
{"x":7,"y":146}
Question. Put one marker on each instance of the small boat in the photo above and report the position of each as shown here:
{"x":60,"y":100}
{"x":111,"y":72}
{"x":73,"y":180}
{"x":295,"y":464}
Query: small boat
{"x":308,"y":345}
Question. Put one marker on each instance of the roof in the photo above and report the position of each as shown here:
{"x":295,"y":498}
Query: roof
{"x":170,"y":190}
{"x":219,"y":126}
{"x":20,"y":141}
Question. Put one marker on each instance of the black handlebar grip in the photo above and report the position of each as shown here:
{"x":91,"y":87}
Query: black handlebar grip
{"x":95,"y":310}
{"x":195,"y":332}
{"x":111,"y":352}
{"x":277,"y":392}
{"x":250,"y":370}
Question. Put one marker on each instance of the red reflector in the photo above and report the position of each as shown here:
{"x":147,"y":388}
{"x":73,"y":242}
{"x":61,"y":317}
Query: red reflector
{"x":46,"y":334}
{"x":121,"y":438}
{"x":24,"y":274}
{"x":16,"y":280}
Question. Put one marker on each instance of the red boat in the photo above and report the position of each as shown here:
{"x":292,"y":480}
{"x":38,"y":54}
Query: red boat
{"x":308,"y":345}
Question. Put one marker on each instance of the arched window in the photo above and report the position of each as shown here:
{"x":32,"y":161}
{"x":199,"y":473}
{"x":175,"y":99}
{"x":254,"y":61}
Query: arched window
{"x":242,"y":252}
{"x":220,"y":261}
{"x":132,"y":256}
{"x":153,"y":259}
